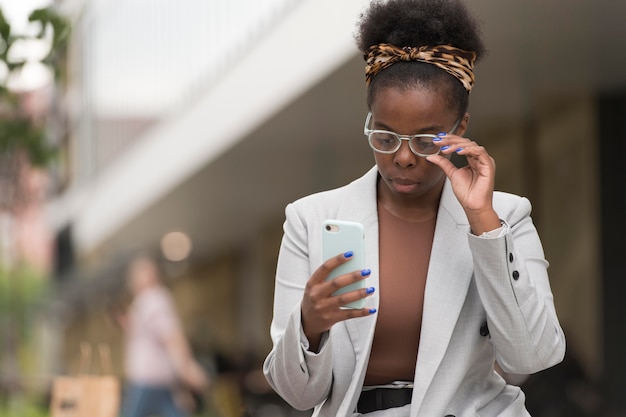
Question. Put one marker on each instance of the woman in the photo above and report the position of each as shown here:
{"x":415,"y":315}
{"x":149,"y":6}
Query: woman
{"x":159,"y":364}
{"x":456,"y":276}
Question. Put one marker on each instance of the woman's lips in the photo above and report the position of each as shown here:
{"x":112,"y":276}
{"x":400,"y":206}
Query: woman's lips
{"x":404,"y":185}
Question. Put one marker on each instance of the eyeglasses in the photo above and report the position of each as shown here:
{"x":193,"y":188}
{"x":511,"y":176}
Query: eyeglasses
{"x":384,"y":141}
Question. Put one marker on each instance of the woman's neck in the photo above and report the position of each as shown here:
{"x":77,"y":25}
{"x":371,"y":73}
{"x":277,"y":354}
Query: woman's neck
{"x":410,"y":208}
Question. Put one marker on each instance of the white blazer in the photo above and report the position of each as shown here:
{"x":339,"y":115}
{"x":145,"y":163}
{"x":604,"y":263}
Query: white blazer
{"x":499,"y":284}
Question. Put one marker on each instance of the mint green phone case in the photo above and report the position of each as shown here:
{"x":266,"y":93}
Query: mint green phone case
{"x":340,"y":236}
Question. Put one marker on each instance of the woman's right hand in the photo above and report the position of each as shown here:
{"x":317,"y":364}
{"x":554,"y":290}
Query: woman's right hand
{"x":321,"y":309}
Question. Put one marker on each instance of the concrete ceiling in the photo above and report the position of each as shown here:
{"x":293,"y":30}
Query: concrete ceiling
{"x":537,"y":49}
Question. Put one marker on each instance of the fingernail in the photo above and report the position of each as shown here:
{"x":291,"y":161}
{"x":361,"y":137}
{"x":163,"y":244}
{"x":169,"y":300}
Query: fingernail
{"x":441,"y":134}
{"x":370,"y":290}
{"x":348,"y":254}
{"x":443,"y":148}
{"x":365,"y":272}
{"x":437,"y":139}
{"x":459,"y":150}
{"x":372,"y":310}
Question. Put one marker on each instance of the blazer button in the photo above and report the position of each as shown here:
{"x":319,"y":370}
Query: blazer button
{"x":515,"y":275}
{"x":510,"y":257}
{"x":484,"y":330}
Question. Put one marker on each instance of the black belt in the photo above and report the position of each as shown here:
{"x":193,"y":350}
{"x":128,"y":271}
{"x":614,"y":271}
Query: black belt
{"x":383,"y":398}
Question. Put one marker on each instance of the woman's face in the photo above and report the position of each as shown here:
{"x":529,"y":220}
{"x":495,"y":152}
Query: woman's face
{"x":142,"y":274}
{"x":409,"y":112}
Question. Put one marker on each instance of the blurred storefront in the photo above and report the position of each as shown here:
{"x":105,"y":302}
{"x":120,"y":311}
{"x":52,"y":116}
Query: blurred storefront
{"x":239,"y":107}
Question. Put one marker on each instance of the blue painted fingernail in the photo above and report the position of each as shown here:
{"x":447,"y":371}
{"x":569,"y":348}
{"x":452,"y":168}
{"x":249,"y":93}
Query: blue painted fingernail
{"x":459,"y":150}
{"x":437,"y":139}
{"x":365,"y":272}
{"x":443,"y":148}
{"x":348,"y":254}
{"x":372,"y":310}
{"x":441,"y":134}
{"x":370,"y":290}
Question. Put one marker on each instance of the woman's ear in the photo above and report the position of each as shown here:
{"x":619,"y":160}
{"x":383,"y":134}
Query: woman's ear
{"x":463,"y":124}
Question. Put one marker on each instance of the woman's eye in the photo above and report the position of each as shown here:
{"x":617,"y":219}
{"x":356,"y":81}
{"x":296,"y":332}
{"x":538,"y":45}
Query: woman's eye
{"x":385,"y":139}
{"x":425,"y":143}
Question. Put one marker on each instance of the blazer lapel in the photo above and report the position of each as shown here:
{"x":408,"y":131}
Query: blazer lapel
{"x":449,"y":276}
{"x":359,"y":205}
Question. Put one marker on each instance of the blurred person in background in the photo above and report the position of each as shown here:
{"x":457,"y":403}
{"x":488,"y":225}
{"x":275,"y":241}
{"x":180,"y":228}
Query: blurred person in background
{"x":456,"y":274}
{"x":162,"y":374}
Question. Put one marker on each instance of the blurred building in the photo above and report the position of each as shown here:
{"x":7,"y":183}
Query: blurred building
{"x":207,"y":118}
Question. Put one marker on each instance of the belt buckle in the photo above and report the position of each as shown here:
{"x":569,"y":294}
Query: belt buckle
{"x":401,"y":384}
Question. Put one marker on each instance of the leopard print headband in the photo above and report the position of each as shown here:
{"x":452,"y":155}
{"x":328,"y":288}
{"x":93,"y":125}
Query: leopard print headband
{"x":454,"y":61}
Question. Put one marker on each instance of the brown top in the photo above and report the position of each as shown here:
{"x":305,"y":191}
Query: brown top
{"x":404,"y":252}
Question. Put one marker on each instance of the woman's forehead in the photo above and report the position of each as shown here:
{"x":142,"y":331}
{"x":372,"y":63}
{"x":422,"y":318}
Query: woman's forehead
{"x":408,"y":101}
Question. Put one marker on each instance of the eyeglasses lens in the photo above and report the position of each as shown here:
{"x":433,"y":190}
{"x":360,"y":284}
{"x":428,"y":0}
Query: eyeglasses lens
{"x":387,"y":142}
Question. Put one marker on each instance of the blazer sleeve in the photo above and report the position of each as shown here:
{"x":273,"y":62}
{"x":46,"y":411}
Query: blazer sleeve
{"x":512,"y":280}
{"x":300,"y":377}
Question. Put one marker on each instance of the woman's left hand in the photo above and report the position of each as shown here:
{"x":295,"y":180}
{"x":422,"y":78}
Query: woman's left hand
{"x":472,"y":184}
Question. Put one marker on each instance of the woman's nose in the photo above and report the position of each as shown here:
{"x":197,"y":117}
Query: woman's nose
{"x":404,"y":157}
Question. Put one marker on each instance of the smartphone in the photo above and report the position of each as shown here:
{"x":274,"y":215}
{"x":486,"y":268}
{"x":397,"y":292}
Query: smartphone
{"x":340,"y":236}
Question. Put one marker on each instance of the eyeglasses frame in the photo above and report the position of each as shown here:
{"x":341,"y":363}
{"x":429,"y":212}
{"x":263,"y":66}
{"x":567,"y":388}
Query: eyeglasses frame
{"x":368,"y":132}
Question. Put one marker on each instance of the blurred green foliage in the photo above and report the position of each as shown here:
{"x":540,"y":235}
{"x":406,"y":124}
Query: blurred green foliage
{"x":18,"y":130}
{"x":28,"y":410}
{"x":21,"y":291}
{"x":21,"y":288}
{"x":24,"y":134}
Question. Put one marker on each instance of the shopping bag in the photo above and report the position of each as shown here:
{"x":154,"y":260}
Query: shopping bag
{"x":87,"y":395}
